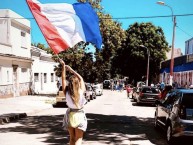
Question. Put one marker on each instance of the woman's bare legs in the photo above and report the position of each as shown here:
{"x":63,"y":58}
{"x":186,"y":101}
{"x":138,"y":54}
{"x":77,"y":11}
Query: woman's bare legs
{"x":72,"y":135}
{"x":78,"y":136}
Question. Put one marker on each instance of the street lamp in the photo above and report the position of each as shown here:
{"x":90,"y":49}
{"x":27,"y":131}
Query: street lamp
{"x":148,"y":53}
{"x":173,"y":38}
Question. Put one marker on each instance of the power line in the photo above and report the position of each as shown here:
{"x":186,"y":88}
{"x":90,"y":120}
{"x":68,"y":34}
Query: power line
{"x":140,"y":17}
{"x":184,"y":31}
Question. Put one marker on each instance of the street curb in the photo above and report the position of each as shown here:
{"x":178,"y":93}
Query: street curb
{"x":7,"y":118}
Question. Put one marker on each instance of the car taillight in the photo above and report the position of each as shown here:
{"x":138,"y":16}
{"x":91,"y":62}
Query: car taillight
{"x":159,"y":95}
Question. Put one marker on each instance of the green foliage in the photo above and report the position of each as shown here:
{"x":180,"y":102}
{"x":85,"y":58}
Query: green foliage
{"x":133,"y":58}
{"x":113,"y":36}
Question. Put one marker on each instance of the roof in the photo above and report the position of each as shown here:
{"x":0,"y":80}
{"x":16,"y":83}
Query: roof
{"x":15,"y":57}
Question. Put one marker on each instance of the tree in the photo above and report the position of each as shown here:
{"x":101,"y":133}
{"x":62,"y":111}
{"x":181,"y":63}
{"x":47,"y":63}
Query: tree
{"x":113,"y":36}
{"x":133,"y":58}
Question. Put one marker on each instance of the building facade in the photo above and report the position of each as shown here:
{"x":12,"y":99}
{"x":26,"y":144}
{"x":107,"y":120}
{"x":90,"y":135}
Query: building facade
{"x":183,"y":67}
{"x":15,"y":56}
{"x":24,"y":69}
{"x":44,"y":80}
{"x":182,"y":72}
{"x":189,"y":46}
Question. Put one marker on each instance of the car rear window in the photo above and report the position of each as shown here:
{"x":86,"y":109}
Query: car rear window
{"x":96,"y":87}
{"x":187,"y":100}
{"x":189,"y":114}
{"x":150,"y":90}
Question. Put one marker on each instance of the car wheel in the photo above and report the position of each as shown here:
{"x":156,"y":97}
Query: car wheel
{"x":169,"y":134}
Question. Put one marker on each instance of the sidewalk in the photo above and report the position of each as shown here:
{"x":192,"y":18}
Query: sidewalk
{"x":19,"y":107}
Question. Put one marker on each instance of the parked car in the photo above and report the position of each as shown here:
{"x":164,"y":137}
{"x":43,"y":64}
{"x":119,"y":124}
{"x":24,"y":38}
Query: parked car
{"x":129,"y":89}
{"x":175,"y":114}
{"x":89,"y":93}
{"x":98,"y":88}
{"x":137,"y":89}
{"x":60,"y":98}
{"x":148,"y":94}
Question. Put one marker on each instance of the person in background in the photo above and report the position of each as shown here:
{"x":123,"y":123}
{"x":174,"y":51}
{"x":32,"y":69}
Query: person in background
{"x":164,"y":92}
{"x":112,"y":85}
{"x":75,"y":120}
{"x":58,"y":84}
{"x":162,"y":85}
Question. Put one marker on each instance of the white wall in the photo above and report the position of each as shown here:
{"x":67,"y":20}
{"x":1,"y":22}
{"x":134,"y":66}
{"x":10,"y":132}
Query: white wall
{"x":16,"y":39}
{"x":6,"y":72}
{"x":11,"y":41}
{"x":24,"y":70}
{"x":44,"y":67}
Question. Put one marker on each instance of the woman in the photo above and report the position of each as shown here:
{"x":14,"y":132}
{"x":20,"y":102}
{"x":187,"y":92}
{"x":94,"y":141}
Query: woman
{"x":75,"y":119}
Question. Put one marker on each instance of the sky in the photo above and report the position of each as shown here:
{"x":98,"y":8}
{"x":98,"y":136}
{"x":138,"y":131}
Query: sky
{"x":127,"y":12}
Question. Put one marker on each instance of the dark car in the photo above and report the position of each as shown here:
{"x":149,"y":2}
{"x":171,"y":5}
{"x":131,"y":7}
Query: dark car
{"x":106,"y":84}
{"x":175,"y":114}
{"x":148,"y":94}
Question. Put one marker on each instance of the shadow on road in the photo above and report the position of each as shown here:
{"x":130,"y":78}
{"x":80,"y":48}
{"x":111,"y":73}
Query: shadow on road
{"x":111,"y":129}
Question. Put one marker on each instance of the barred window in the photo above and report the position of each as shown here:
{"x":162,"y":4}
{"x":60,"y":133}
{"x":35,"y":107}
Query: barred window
{"x":45,"y":78}
{"x":56,"y":78}
{"x":36,"y":77}
{"x":52,"y":77}
{"x":23,"y":39}
{"x":8,"y":76}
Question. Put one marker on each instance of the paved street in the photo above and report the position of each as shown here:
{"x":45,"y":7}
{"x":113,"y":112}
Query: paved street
{"x":112,"y":119}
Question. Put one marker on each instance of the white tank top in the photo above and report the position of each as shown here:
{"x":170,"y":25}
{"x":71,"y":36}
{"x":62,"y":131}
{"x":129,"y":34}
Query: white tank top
{"x":70,"y":102}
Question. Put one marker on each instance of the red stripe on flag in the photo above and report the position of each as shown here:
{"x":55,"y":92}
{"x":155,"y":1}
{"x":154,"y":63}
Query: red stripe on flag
{"x":50,"y":33}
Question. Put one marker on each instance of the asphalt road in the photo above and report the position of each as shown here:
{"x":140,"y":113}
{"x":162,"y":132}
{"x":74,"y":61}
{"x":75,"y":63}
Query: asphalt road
{"x":112,"y":119}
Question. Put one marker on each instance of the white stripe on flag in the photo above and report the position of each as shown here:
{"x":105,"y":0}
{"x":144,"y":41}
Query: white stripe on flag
{"x":63,"y":17}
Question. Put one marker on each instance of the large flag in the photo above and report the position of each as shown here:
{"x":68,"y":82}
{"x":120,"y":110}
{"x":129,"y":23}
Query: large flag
{"x":64,"y":25}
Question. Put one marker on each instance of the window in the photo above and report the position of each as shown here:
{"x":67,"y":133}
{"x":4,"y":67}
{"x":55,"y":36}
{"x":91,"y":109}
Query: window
{"x":52,"y":77}
{"x":45,"y":78}
{"x":187,"y":100}
{"x":36,"y":77}
{"x":56,"y":78}
{"x":23,"y":34}
{"x":7,"y":76}
{"x":23,"y":39}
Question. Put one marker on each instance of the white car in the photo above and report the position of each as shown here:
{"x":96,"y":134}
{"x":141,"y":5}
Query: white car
{"x":89,"y":93}
{"x":98,"y":89}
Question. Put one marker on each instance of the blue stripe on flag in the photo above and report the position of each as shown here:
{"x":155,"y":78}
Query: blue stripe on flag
{"x":90,"y":23}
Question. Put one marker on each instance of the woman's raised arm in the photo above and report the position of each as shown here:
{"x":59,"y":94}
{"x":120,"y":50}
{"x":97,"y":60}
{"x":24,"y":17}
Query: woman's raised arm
{"x":63,"y":75}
